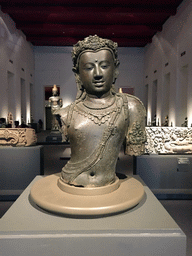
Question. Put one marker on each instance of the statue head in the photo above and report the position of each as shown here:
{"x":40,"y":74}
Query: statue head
{"x":54,"y":90}
{"x":93,"y":44}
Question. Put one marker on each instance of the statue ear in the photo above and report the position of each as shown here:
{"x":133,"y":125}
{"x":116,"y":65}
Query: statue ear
{"x":115,"y":74}
{"x":74,"y":69}
{"x":78,"y":81}
{"x":80,"y":88}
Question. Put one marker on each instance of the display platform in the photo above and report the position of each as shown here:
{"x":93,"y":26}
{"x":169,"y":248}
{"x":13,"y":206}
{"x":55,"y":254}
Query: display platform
{"x":168,"y":176}
{"x":18,"y":167}
{"x":145,"y":230}
{"x":52,"y":194}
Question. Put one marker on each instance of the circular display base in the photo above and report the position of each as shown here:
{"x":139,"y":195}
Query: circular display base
{"x":88,"y":191}
{"x":47,"y":195}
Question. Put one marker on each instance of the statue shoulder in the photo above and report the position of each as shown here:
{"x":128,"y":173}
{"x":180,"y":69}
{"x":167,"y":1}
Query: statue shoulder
{"x":135,"y":104}
{"x":133,"y":99}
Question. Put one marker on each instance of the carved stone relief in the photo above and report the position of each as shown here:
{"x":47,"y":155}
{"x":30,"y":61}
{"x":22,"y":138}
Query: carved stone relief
{"x":168,"y":140}
{"x":18,"y":137}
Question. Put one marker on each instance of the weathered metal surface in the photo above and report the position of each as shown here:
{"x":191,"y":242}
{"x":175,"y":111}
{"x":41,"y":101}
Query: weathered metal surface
{"x":100,"y":120}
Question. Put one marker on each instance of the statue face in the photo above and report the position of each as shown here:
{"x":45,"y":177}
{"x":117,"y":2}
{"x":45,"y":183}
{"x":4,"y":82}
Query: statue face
{"x":96,"y":71}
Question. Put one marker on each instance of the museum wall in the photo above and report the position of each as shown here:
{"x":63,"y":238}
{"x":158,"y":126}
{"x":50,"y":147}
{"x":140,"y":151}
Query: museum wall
{"x":16,"y":72}
{"x":160,"y":73}
{"x":168,"y":70}
{"x":53,"y":65}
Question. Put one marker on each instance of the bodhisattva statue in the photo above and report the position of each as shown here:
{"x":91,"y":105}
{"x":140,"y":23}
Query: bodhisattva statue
{"x":100,"y":119}
{"x":55,"y":102}
{"x":97,"y":124}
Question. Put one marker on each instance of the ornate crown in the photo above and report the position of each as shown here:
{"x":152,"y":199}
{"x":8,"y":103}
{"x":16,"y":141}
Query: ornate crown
{"x":93,"y":43}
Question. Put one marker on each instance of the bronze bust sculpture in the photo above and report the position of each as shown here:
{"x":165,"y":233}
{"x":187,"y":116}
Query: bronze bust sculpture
{"x":100,"y":119}
{"x":96,"y":124}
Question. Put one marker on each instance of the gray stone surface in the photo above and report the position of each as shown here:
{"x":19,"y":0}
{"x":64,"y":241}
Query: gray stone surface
{"x":147,"y":229}
{"x":18,"y":167}
{"x":166,"y":174}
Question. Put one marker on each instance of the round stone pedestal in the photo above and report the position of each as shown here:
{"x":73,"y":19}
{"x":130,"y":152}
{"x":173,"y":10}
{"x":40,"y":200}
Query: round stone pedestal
{"x":51,"y":194}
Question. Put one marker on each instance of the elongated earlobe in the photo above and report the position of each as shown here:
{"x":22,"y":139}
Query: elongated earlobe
{"x":115,"y":75}
{"x":79,"y":84}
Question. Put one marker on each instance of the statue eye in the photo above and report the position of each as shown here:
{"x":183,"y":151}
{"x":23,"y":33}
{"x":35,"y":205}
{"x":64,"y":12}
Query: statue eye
{"x":104,"y":65}
{"x":88,"y":67}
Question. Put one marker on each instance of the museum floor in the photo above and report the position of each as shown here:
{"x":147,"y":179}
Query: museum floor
{"x":55,"y":157}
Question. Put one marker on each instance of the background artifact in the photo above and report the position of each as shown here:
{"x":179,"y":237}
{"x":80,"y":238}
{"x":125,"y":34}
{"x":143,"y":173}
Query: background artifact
{"x":166,"y":121}
{"x":185,"y":124}
{"x":18,"y":137}
{"x":55,"y":102}
{"x":168,"y":140}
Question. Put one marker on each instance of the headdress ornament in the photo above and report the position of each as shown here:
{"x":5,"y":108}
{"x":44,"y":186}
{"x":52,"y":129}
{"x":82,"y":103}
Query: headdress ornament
{"x":93,"y":43}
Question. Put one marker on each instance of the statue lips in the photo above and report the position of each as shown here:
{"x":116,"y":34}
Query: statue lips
{"x":98,"y":83}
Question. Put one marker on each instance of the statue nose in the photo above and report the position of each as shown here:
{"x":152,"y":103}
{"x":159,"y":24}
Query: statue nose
{"x":97,"y":72}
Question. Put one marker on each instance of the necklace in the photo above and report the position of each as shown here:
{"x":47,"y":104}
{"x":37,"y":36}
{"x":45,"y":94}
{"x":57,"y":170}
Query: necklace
{"x":97,"y":115}
{"x":99,"y":105}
